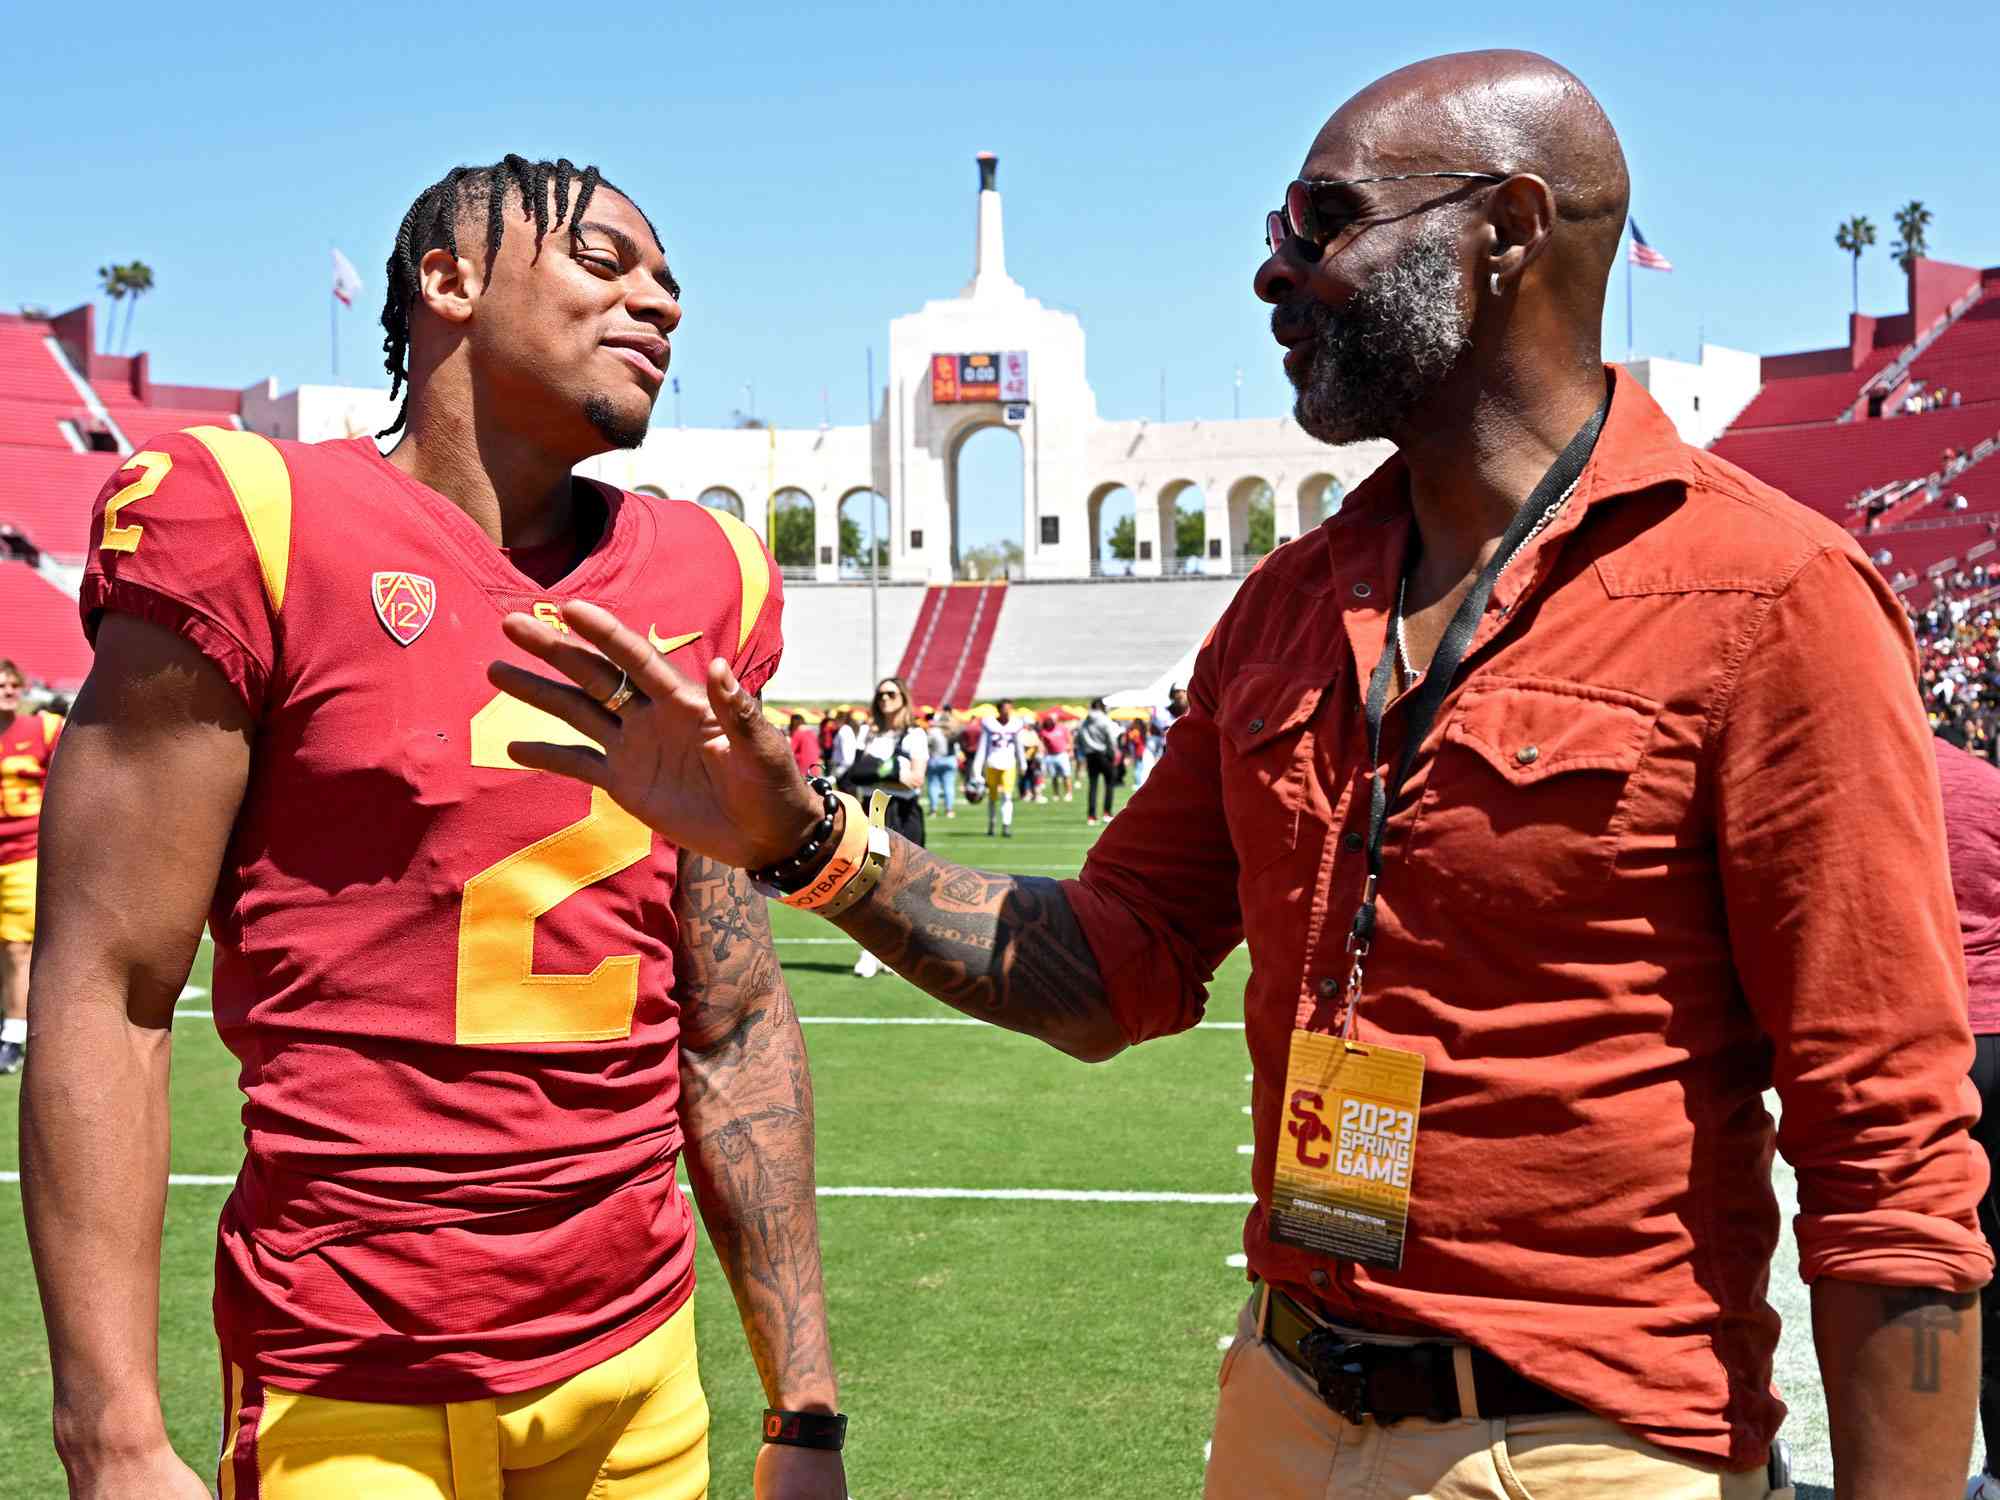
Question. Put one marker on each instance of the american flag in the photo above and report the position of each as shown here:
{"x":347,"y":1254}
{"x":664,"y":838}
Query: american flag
{"x":1643,"y":254}
{"x":346,"y":280}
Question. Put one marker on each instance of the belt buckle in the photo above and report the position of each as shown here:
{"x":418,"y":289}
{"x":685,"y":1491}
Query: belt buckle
{"x":1341,"y":1368}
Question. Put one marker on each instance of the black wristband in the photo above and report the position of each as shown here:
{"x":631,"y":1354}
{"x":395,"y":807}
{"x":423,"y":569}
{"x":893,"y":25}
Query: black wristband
{"x":792,"y":874}
{"x":805,"y":1429}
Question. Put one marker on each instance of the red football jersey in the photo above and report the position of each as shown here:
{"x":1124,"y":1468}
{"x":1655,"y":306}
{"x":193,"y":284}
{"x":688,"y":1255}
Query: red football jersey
{"x":448,"y":979}
{"x":25,"y":748}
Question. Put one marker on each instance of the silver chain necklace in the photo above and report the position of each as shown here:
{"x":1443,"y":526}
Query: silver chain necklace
{"x":1410,"y":674}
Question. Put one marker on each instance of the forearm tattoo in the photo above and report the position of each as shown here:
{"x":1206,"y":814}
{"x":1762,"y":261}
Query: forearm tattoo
{"x":1928,"y":1314}
{"x":747,"y":1110}
{"x":1001,"y":948}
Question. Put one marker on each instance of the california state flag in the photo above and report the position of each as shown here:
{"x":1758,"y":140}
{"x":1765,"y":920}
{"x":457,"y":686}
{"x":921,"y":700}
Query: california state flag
{"x":346,"y":280}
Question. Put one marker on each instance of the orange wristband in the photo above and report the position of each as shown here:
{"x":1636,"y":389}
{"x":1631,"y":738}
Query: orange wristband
{"x":848,"y":857}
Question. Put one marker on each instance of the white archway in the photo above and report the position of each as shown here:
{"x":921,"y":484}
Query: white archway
{"x":794,"y":531}
{"x":1178,"y":498}
{"x":720,"y":497}
{"x":1252,"y":521}
{"x":854,"y":562}
{"x":1319,"y":497}
{"x":1109,"y":506}
{"x":987,"y":502}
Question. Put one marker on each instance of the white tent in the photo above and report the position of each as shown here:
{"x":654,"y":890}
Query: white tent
{"x":1155,"y":693}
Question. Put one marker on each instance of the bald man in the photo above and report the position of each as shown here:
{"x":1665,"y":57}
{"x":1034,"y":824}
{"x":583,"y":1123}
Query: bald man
{"x":1571,"y":789}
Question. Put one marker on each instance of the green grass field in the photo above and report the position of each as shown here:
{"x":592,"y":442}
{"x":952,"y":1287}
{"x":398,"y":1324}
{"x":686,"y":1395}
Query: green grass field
{"x":988,"y":1346}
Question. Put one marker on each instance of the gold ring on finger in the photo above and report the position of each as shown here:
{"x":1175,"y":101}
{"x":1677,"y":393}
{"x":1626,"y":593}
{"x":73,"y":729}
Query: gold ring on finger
{"x":620,"y":695}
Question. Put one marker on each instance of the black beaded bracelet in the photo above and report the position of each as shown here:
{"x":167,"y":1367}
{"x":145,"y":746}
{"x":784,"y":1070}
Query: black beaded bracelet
{"x":787,"y":874}
{"x":806,"y":1429}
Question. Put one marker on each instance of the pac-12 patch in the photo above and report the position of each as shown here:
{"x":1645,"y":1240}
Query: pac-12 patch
{"x":404,"y":603}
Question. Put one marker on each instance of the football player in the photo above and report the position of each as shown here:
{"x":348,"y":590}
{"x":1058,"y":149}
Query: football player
{"x":488,"y":1022}
{"x":998,"y":763}
{"x":26,"y":743}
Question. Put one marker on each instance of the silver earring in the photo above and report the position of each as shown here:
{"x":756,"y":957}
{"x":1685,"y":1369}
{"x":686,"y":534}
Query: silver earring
{"x":1493,"y":282}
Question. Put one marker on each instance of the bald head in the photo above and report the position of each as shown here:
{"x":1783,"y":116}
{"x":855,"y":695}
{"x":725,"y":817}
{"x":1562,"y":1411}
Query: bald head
{"x":1509,"y":112}
{"x":1451,"y":245}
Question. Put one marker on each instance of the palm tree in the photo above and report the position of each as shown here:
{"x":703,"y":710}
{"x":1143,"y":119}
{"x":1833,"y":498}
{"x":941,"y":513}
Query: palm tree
{"x":1856,"y":235}
{"x":138,"y":282}
{"x":1912,"y":219}
{"x":112,"y":279}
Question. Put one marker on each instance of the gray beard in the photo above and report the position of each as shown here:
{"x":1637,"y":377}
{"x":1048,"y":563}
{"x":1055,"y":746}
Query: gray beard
{"x":1375,"y":360}
{"x":604,"y":417}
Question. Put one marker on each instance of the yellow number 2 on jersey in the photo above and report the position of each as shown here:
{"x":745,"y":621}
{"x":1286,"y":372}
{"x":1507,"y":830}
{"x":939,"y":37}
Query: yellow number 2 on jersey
{"x":20,"y":786}
{"x":125,"y":538}
{"x":500,"y":996}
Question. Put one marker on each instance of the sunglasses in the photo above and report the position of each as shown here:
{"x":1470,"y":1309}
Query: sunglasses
{"x":1312,"y":215}
{"x":889,"y":693}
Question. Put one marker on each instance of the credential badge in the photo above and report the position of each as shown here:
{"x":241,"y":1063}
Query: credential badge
{"x":404,"y":603}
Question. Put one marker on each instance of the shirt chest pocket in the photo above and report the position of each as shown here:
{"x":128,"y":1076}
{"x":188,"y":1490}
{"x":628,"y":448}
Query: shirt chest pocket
{"x":1528,"y":797}
{"x":1266,"y":719}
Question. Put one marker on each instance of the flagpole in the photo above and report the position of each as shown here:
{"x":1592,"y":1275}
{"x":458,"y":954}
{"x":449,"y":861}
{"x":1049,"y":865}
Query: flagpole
{"x":874,"y":551}
{"x":333,"y":333}
{"x":1628,"y":305}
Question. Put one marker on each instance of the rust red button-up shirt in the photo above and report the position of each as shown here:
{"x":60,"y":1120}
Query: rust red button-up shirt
{"x":1722,"y":869}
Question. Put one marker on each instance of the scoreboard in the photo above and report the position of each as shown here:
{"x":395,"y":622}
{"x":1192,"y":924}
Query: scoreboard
{"x":979,"y":377}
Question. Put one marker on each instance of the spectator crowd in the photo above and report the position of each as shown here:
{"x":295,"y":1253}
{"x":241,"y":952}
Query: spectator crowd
{"x":1053,"y":751}
{"x":1957,"y":633}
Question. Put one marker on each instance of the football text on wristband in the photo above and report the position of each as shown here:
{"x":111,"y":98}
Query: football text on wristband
{"x":806,"y":1429}
{"x":846,"y":876}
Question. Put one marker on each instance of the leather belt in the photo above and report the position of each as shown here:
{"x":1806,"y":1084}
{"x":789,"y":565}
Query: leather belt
{"x":1388,"y":1382}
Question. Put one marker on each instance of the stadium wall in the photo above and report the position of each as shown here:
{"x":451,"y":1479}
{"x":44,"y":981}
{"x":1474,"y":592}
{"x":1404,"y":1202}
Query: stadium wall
{"x":1072,"y":641}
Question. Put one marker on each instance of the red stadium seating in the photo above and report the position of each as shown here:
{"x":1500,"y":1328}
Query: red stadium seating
{"x":1827,"y":465}
{"x":141,"y":424}
{"x":1967,"y":358}
{"x":1811,"y":398}
{"x":46,"y":494}
{"x":46,"y":484}
{"x":949,"y":643}
{"x":35,"y":394}
{"x":42,"y":632}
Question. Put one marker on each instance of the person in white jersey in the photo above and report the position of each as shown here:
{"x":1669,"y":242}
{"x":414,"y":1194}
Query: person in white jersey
{"x":998,"y":760}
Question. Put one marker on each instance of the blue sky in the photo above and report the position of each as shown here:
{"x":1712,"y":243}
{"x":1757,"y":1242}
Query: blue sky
{"x":810,"y":167}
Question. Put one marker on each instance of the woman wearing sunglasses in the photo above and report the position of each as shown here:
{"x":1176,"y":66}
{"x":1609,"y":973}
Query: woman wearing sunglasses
{"x":891,"y":758}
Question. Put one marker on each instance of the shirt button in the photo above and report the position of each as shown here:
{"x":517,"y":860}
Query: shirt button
{"x":1255,"y":725}
{"x":1318,"y":1277}
{"x":1329,"y":987}
{"x":1350,"y":841}
{"x":1362,"y":590}
{"x":1527,"y":755}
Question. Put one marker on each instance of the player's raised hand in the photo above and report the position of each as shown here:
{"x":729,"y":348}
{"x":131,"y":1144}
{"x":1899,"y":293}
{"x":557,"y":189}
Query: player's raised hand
{"x":696,"y":761}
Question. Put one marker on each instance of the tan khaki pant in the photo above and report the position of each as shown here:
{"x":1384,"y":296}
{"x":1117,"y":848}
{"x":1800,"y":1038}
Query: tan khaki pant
{"x":1275,"y":1439}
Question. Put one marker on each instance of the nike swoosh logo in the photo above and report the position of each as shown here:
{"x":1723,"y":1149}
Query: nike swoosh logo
{"x":666,"y":643}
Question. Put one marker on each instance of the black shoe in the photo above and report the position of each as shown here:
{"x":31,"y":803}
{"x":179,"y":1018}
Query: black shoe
{"x":12,"y":1055}
{"x":1007,"y":832}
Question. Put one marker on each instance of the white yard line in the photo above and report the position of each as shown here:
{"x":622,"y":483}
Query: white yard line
{"x":988,"y":1195}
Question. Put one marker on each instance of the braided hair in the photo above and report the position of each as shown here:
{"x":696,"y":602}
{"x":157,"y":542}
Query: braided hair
{"x":432,"y":224}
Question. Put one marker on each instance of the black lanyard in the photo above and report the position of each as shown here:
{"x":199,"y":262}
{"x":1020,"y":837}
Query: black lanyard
{"x":1430,"y":694}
